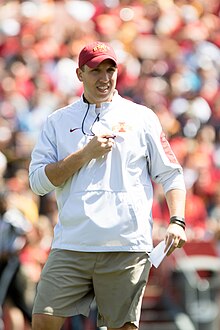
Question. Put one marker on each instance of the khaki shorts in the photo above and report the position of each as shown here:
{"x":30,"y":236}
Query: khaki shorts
{"x":71,"y":280}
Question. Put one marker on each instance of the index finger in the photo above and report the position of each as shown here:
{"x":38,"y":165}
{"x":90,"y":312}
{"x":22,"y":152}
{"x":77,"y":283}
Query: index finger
{"x":109,"y":136}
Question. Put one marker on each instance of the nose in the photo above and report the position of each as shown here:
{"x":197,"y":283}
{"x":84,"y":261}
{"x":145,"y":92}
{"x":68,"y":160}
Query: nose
{"x":104,"y":76}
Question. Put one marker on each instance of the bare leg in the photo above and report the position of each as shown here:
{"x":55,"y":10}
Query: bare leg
{"x":47,"y":322}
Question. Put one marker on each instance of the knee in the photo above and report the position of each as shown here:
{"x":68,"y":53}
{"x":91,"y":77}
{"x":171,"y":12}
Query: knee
{"x":126,"y":326}
{"x":129,"y":326}
{"x":46,"y":322}
{"x":37,"y":322}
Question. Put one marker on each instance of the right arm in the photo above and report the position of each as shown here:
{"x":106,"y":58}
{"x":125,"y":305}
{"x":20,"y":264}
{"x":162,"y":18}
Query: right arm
{"x":62,"y":170}
{"x":46,"y":173}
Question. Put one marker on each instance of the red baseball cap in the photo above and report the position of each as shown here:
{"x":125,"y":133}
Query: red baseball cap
{"x":96,"y":52}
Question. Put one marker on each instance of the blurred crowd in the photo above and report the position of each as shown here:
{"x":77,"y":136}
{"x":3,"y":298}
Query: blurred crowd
{"x":169,"y":60}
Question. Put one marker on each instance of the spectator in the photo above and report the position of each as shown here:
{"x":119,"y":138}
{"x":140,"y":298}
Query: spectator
{"x":13,"y":230}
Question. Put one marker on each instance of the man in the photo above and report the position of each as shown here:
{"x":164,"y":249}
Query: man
{"x":100,"y":154}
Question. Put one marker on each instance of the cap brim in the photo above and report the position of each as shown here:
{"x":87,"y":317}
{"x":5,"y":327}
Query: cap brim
{"x":95,"y":61}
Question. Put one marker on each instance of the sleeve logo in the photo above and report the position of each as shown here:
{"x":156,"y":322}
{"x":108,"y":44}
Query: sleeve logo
{"x":167,"y":149}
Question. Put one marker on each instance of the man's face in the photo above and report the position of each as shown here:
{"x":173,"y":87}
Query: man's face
{"x":99,"y":83}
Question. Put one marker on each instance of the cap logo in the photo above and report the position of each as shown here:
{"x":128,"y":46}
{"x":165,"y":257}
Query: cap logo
{"x":94,"y":53}
{"x":100,"y":48}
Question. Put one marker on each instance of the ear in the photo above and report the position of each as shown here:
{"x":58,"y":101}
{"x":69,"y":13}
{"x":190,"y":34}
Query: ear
{"x":79,"y":74}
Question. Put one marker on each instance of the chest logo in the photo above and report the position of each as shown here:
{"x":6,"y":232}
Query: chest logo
{"x":121,"y":127}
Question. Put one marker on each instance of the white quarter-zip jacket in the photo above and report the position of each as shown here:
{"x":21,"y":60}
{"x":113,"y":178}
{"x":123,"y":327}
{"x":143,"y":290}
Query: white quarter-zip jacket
{"x":106,"y":205}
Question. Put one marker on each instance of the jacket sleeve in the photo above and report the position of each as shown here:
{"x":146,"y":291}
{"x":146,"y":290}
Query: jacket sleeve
{"x":163,"y":166}
{"x":43,"y":153}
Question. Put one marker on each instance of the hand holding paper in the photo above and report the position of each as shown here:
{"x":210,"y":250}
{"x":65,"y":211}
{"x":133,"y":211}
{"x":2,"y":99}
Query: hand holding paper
{"x":157,"y":255}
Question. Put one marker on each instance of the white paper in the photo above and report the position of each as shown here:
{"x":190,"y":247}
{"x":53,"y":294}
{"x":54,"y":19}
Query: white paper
{"x":157,"y":255}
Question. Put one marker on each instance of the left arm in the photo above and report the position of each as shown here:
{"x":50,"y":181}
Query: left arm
{"x":175,"y":199}
{"x":165,"y":169}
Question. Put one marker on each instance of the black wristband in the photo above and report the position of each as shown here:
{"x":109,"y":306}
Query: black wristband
{"x":178,"y":221}
{"x":176,"y":218}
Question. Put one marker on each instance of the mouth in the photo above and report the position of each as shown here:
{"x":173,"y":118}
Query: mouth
{"x":103,"y":89}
